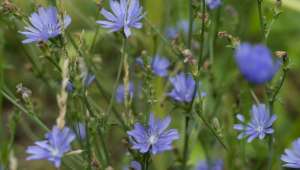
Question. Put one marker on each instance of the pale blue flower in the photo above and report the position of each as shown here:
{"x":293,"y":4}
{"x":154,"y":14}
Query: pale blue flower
{"x":57,"y":143}
{"x":134,"y":165}
{"x":121,"y":92}
{"x":216,"y":165}
{"x":260,"y":124}
{"x":153,"y":138}
{"x":125,"y":14}
{"x":256,"y":63}
{"x":291,"y":157}
{"x":213,"y":4}
{"x":160,"y":66}
{"x":44,"y":24}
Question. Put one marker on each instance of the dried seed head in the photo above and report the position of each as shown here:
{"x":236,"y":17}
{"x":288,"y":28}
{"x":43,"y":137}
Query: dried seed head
{"x":24,"y":91}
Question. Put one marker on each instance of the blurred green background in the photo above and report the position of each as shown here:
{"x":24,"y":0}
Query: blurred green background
{"x":238,"y":17}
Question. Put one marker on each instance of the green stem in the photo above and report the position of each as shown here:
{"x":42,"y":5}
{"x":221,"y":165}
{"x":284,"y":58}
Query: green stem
{"x":261,"y":19}
{"x":202,"y":35}
{"x":191,"y":21}
{"x":31,"y":115}
{"x":186,"y":142}
{"x":211,"y":130}
{"x":112,"y":99}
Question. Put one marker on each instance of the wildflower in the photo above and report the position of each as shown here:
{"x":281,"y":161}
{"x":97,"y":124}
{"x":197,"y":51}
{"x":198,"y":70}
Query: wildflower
{"x":291,"y":157}
{"x":56,"y":144}
{"x":184,"y":88}
{"x":121,"y":92}
{"x":80,"y":130}
{"x":160,"y":66}
{"x":70,"y":87}
{"x":260,"y":124}
{"x":213,"y":4}
{"x":134,"y":165}
{"x":184,"y":25}
{"x":153,"y":138}
{"x":89,"y":79}
{"x":171,"y":32}
{"x":216,"y":165}
{"x":44,"y":24}
{"x":256,"y":63}
{"x":125,"y":14}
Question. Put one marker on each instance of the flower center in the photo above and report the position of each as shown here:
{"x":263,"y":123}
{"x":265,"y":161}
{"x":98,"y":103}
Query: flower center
{"x":152,"y":139}
{"x":259,"y":129}
{"x":54,"y":152}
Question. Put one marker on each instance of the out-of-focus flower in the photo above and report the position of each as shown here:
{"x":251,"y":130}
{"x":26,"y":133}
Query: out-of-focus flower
{"x":153,"y":138}
{"x":184,"y":26}
{"x":160,"y":66}
{"x":57,"y":143}
{"x":45,"y":24}
{"x":70,"y":87}
{"x":256,"y":63}
{"x":291,"y":157}
{"x":125,"y":14}
{"x":134,"y":165}
{"x":260,"y":124}
{"x":183,"y":88}
{"x":139,"y":61}
{"x":216,"y":165}
{"x":121,"y":92}
{"x":171,"y":32}
{"x":80,"y":130}
{"x":213,"y":4}
{"x":89,"y":79}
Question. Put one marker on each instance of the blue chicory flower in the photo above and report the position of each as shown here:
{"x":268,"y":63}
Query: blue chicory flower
{"x":57,"y":143}
{"x":171,"y":32}
{"x":134,"y":165}
{"x":291,"y":157}
{"x":260,"y":124}
{"x":44,"y":24}
{"x":160,"y":66}
{"x":256,"y":63}
{"x":125,"y":14}
{"x":121,"y":92}
{"x":70,"y":87}
{"x":213,"y":4}
{"x":216,"y":165}
{"x":153,"y":138}
{"x":89,"y":79}
{"x":183,"y":88}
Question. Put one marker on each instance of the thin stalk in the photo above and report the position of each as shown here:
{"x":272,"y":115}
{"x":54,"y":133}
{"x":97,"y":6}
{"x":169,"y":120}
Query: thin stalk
{"x":261,"y":19}
{"x":186,"y":142}
{"x":212,"y":130}
{"x":271,"y":105}
{"x":191,"y":21}
{"x":23,"y":109}
{"x":105,"y":150}
{"x":163,"y":38}
{"x":116,"y":84}
{"x":88,"y":146}
{"x":202,"y":34}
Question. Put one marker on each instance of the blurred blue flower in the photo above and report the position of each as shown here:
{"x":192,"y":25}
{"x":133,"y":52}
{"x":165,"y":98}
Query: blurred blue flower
{"x":134,"y":165}
{"x":160,"y":66}
{"x":44,"y":25}
{"x":256,"y":63}
{"x":125,"y":14}
{"x":89,"y":79}
{"x":184,"y":25}
{"x":154,"y":138}
{"x":213,"y":4}
{"x":57,"y":143}
{"x":80,"y":130}
{"x":139,"y":61}
{"x":217,"y":165}
{"x":171,"y":32}
{"x":121,"y":92}
{"x":70,"y":87}
{"x":291,"y":157}
{"x":260,"y":124}
{"x":183,"y":88}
